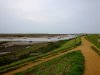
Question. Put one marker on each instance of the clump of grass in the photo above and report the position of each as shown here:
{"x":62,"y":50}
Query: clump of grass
{"x":96,"y":50}
{"x":71,"y":63}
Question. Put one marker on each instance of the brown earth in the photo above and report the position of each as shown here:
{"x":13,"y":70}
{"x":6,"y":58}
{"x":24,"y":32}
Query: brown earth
{"x":92,"y":60}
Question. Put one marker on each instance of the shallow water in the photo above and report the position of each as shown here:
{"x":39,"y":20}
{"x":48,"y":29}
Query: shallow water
{"x":27,"y":40}
{"x":39,"y":39}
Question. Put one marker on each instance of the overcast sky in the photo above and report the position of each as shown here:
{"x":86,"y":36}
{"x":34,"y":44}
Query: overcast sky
{"x":49,"y":16}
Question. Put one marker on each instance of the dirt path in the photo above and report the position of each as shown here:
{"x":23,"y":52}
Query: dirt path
{"x":92,"y":60}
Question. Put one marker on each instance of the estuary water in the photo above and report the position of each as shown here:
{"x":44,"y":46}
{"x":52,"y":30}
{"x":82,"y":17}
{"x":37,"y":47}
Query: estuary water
{"x":27,"y":41}
{"x":42,"y":39}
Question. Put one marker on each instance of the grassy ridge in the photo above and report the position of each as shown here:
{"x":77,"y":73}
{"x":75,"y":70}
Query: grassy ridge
{"x":68,"y":64}
{"x":95,"y":39}
{"x":96,"y":50}
{"x":63,"y":45}
{"x":69,"y":44}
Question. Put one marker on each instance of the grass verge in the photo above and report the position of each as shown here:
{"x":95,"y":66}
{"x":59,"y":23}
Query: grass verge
{"x":96,"y":50}
{"x":94,"y":38}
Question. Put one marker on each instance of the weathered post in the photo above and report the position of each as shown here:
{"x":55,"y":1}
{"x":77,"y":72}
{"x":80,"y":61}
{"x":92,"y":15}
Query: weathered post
{"x":75,"y":40}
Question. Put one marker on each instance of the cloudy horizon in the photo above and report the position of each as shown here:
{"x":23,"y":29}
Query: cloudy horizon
{"x":49,"y":16}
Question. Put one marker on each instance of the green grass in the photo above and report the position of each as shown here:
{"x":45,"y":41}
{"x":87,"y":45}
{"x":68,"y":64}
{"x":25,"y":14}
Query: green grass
{"x":96,"y":50}
{"x":18,"y":52}
{"x":32,"y":48}
{"x":94,"y":38}
{"x":69,"y":64}
{"x":68,"y":45}
{"x":63,"y":46}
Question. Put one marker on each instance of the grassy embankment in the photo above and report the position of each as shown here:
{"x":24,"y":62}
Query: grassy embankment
{"x":95,"y":39}
{"x":71,"y":63}
{"x":49,"y":50}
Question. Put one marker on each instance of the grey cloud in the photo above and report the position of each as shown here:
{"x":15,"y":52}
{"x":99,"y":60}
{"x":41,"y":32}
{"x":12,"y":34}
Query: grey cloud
{"x":49,"y":16}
